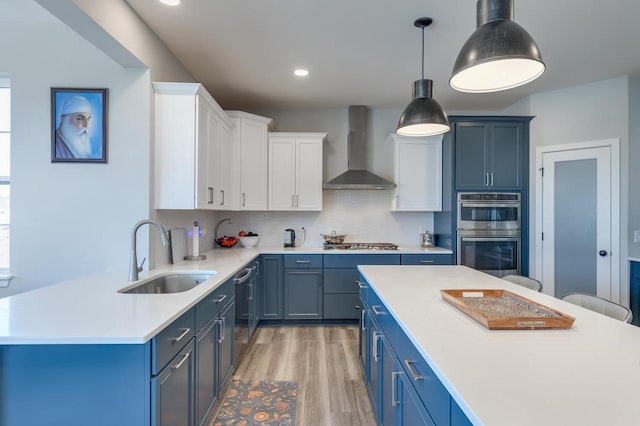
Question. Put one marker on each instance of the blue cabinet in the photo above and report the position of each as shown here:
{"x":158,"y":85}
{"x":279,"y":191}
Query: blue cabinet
{"x":214,"y":348}
{"x":272,"y":288}
{"x":489,"y":155}
{"x":427,"y":259}
{"x":303,"y":294}
{"x":634,"y":291}
{"x":339,"y":282}
{"x":172,"y":391}
{"x":402,"y":387}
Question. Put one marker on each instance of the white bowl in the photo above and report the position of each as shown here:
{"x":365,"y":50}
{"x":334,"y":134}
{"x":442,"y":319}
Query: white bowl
{"x":249,"y":241}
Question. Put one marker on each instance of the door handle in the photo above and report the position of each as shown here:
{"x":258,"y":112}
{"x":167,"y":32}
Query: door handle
{"x":361,"y":284}
{"x":210,"y":200}
{"x":603,"y":253}
{"x":220,"y":299}
{"x":376,"y":353}
{"x":412,"y":370}
{"x":243,"y":200}
{"x":222,"y":202}
{"x":185,"y":331}
{"x":363,"y":313}
{"x":491,"y":178}
{"x":182,"y":361}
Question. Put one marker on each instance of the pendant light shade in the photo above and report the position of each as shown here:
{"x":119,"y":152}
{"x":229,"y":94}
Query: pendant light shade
{"x":499,"y":55}
{"x":423,"y":116}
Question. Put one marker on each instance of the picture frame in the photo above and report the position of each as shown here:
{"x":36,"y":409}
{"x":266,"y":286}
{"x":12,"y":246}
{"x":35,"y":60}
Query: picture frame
{"x":79,"y":125}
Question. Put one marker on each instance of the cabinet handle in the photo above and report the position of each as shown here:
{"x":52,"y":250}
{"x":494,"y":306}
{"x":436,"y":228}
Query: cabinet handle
{"x":486,"y":179}
{"x":394,"y":388}
{"x":250,"y":292}
{"x":243,"y":200}
{"x":185,"y":331}
{"x":397,"y":201}
{"x":220,"y":299}
{"x":363,"y":327}
{"x":303,"y":261}
{"x":376,"y":310}
{"x":222,"y":202}
{"x":427,"y":261}
{"x":376,"y":338}
{"x":182,"y":361}
{"x":222,"y":323}
{"x":293,"y":201}
{"x":491,"y":178}
{"x":357,"y":307}
{"x":210,"y":200}
{"x":412,"y":371}
{"x":297,"y":200}
{"x":361,"y":284}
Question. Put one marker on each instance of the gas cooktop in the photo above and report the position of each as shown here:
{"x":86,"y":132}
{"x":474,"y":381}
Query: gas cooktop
{"x":360,"y":246}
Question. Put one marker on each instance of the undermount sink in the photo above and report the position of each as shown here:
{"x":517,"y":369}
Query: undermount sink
{"x":167,"y":284}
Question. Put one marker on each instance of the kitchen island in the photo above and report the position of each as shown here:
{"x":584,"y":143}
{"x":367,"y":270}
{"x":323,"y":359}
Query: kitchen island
{"x":586,"y":375}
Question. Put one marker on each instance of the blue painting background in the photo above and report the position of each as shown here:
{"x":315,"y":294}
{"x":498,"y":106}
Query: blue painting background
{"x":96,"y":102}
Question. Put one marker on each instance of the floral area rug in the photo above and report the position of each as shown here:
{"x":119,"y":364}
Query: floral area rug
{"x":258,"y":403}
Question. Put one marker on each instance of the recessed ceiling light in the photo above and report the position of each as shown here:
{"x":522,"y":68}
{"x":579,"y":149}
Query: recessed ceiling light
{"x":170,"y":2}
{"x":301,"y":72}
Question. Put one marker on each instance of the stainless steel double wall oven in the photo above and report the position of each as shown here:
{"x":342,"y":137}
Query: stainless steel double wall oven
{"x":489,"y":232}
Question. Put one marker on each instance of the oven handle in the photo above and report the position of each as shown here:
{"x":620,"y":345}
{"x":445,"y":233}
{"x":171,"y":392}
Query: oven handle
{"x":489,"y":239}
{"x":514,"y":204}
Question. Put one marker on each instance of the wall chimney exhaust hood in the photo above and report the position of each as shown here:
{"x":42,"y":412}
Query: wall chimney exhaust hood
{"x":357,"y":177}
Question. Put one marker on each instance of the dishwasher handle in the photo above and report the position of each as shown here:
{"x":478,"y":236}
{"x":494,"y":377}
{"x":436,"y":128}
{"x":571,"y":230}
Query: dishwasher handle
{"x":243,"y":276}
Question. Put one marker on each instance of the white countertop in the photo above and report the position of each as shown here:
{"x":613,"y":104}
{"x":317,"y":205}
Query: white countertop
{"x":587,"y":375}
{"x":89,"y":310}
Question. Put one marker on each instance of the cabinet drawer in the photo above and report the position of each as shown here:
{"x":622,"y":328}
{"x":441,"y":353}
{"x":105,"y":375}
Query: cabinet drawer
{"x":340,"y":280}
{"x":170,"y":340}
{"x":302,"y":261}
{"x":353,"y":260}
{"x":383,"y":317}
{"x":429,"y":388}
{"x":427,"y":259}
{"x":211,"y":305}
{"x":341,"y":306}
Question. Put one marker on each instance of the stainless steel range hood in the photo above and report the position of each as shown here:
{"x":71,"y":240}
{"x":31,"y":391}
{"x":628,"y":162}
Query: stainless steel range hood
{"x":357,"y":177}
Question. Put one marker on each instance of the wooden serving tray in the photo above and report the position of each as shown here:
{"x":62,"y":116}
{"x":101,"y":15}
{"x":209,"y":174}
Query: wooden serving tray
{"x":504,"y":310}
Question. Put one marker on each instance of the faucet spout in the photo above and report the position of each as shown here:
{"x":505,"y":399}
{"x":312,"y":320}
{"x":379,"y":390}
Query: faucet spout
{"x":134,"y":269}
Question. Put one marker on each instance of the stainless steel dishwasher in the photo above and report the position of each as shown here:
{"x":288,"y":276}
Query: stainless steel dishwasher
{"x":244,"y":294}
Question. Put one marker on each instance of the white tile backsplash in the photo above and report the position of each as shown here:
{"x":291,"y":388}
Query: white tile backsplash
{"x":364,"y":216}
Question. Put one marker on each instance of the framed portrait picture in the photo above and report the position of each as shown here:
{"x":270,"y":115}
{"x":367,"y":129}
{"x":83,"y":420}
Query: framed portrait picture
{"x":79,"y":125}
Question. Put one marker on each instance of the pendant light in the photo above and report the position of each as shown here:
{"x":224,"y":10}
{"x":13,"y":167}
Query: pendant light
{"x":423,"y":116}
{"x":499,"y":55}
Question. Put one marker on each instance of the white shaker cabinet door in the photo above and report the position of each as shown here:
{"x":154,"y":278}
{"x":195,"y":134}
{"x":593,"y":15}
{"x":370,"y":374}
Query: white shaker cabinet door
{"x":207,"y":158}
{"x":225,"y":169}
{"x":418,"y":174}
{"x":253,"y":167}
{"x":308,"y":174}
{"x":282,"y":157}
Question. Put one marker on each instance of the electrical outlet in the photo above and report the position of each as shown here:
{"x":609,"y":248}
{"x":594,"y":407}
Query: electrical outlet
{"x":636,"y":236}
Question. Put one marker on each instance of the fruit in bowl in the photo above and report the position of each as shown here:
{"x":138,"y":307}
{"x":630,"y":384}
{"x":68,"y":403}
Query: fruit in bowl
{"x":226,"y":242}
{"x":248,"y":239}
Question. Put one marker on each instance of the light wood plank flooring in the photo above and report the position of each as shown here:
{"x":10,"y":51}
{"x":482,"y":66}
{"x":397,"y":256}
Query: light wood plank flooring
{"x":324,"y":362}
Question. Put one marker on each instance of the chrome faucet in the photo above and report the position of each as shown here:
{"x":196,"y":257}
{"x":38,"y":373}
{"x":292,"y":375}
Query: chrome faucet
{"x":133,"y":260}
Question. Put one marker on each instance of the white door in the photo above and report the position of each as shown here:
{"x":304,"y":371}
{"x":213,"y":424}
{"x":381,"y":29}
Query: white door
{"x":253,"y":166}
{"x":578,"y":252}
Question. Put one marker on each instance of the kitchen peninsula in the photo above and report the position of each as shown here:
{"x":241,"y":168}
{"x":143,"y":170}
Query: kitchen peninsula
{"x":85,"y":353}
{"x":586,"y":375}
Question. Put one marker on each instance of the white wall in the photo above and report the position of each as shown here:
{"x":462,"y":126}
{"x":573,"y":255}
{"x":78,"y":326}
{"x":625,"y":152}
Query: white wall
{"x":582,"y":113}
{"x":69,"y":220}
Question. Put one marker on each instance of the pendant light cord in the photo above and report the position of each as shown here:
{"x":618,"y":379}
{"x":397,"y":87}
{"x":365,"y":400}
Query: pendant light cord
{"x":423,"y":53}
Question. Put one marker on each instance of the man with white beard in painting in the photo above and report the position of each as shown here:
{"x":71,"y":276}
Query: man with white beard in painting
{"x":72,"y":135}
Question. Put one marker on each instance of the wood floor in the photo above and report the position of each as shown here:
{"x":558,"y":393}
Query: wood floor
{"x":324,"y":362}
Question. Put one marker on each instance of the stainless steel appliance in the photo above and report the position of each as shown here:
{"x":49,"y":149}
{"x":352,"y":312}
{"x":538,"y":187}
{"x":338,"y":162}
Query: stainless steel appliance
{"x":289,"y":237}
{"x":360,"y":246}
{"x":489,"y":232}
{"x":244,"y":308}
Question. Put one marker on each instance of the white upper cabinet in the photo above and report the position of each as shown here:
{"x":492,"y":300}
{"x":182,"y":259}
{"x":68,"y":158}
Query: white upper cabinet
{"x":295,"y":171}
{"x":417,"y":173}
{"x":193,"y":149}
{"x":250,"y":160}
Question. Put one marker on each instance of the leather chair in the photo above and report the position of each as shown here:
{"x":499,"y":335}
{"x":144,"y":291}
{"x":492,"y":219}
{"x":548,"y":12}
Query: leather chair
{"x":527,"y":282}
{"x":600,"y":305}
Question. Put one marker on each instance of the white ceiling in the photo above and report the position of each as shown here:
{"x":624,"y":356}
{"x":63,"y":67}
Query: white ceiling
{"x":368,"y":51}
